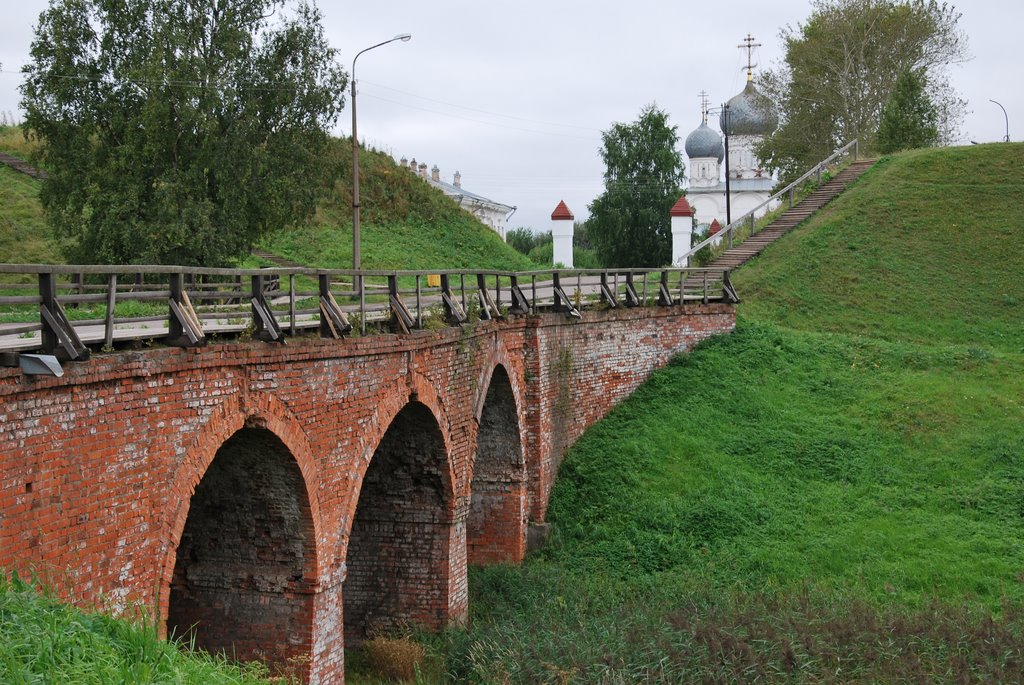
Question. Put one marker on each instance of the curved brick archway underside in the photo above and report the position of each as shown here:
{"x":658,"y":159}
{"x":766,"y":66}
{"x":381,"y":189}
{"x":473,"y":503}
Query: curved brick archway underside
{"x":496,"y":527}
{"x":399,"y":547}
{"x":244,"y":568}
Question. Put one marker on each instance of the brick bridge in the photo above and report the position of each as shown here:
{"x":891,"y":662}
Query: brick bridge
{"x":282,"y":501}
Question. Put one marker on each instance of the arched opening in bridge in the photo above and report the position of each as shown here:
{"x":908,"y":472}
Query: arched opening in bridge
{"x":496,"y":528}
{"x":399,"y":548}
{"x":245,"y":567}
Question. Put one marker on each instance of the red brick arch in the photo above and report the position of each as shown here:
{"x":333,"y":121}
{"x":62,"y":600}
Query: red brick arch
{"x":257,"y":410}
{"x":498,"y":489}
{"x":388,"y":402}
{"x":387,"y":531}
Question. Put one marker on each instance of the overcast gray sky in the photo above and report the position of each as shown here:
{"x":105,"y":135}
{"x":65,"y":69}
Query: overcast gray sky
{"x":515,"y":95}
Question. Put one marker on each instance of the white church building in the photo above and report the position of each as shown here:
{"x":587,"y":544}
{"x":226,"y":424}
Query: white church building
{"x":747,"y":118}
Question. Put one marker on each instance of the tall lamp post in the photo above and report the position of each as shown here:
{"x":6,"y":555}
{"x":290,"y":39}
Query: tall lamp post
{"x":1007,"y":119}
{"x":356,"y":261}
{"x":728,"y":189}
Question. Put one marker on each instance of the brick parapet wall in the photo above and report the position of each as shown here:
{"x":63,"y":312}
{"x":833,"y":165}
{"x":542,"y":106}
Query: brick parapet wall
{"x":99,"y":466}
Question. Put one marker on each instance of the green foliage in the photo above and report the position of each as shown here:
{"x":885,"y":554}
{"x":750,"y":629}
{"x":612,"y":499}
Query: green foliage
{"x":524,"y":240}
{"x":544,"y":254}
{"x":406,"y":224}
{"x":521,"y":239}
{"x":44,"y":641}
{"x":179,"y":134}
{"x":841,"y":68}
{"x":629,"y":222}
{"x":908,"y":118}
{"x":539,"y":247}
{"x":787,"y":505}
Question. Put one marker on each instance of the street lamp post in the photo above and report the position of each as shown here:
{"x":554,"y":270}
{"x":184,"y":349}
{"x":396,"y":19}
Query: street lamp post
{"x":356,"y":260}
{"x":728,"y":188}
{"x":1007,"y":120}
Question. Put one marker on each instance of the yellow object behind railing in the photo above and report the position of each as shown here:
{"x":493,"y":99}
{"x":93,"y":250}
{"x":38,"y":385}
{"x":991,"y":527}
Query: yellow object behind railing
{"x":433,"y":280}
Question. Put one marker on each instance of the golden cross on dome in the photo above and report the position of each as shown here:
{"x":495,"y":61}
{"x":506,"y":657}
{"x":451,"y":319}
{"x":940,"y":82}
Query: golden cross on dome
{"x":749,"y":46}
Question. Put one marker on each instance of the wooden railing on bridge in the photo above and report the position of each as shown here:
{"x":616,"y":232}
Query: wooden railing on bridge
{"x":63,"y":310}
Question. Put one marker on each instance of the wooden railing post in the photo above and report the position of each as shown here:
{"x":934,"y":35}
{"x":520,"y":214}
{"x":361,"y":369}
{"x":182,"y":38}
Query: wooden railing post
{"x":48,"y":294}
{"x":333,"y":322}
{"x":183,"y":327}
{"x":108,"y":320}
{"x":58,"y":336}
{"x":265,"y":326}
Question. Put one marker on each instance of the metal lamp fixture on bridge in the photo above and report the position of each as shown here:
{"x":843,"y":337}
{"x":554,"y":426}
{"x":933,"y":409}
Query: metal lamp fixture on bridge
{"x":356,"y":261}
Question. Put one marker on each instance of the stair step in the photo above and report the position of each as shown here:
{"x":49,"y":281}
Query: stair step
{"x":791,"y":218}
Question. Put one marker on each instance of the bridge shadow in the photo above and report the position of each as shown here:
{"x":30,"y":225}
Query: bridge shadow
{"x":246,"y":565}
{"x":399,"y":550}
{"x":496,"y":528}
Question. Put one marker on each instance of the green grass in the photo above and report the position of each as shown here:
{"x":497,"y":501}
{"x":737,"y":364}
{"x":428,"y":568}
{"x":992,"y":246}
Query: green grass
{"x":44,"y":641}
{"x":405,"y":224}
{"x":23,"y":232}
{"x":833,"y":493}
{"x":13,"y":142}
{"x":928,"y":249}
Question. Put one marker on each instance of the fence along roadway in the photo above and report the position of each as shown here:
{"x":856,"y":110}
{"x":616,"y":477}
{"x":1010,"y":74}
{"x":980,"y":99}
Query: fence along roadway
{"x":64,"y":309}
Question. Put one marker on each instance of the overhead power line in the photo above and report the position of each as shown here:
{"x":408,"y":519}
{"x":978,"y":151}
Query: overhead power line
{"x":482,"y":111}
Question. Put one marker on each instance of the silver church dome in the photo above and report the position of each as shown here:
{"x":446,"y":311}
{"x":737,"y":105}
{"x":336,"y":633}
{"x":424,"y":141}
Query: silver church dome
{"x":704,"y":142}
{"x":749,"y":114}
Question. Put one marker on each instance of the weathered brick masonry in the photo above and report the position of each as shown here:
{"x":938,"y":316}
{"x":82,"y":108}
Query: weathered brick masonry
{"x":285,"y":499}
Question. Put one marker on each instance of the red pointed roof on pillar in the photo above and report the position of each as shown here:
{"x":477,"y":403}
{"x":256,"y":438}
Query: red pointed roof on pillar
{"x":681,"y":207}
{"x":561,"y":212}
{"x":714,"y":228}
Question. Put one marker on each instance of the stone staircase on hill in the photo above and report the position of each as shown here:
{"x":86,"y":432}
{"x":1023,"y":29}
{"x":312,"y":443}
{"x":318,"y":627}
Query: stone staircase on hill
{"x":276,"y":259}
{"x":743,"y":252}
{"x":22,"y":166}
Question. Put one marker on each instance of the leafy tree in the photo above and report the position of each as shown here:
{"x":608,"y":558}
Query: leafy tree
{"x":521,"y":239}
{"x":908,"y":119}
{"x":841,"y":68}
{"x":179,"y":130}
{"x":629,"y":222}
{"x":581,"y":235}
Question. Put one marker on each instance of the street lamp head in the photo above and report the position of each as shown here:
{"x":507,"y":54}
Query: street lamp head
{"x":404,"y":37}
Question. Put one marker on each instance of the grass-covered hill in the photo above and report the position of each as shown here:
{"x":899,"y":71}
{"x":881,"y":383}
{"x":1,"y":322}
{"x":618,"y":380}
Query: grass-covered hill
{"x":406,"y":223}
{"x":928,"y":249}
{"x":833,"y":493}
